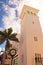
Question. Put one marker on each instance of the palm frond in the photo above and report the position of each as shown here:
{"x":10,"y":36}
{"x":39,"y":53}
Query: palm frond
{"x":7,"y":35}
{"x":10,"y":31}
{"x":1,"y":33}
{"x":14,"y":39}
{"x":2,"y":39}
{"x":13,"y":35}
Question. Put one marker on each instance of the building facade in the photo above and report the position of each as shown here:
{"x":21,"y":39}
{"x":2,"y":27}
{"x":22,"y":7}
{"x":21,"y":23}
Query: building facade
{"x":31,"y":36}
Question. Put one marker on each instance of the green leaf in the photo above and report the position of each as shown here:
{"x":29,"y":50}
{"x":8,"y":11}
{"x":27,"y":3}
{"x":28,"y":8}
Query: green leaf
{"x":13,"y":35}
{"x":2,"y":39}
{"x":14,"y":39}
{"x":1,"y":33}
{"x":10,"y":31}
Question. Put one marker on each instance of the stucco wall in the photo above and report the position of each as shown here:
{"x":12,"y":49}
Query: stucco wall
{"x":30,"y":28}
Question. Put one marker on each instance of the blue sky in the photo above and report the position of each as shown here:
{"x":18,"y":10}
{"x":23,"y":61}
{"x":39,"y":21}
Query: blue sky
{"x":10,"y":11}
{"x":1,"y":14}
{"x":4,"y":14}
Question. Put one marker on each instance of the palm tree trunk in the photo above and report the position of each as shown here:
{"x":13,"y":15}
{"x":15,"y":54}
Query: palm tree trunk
{"x":8,"y":45}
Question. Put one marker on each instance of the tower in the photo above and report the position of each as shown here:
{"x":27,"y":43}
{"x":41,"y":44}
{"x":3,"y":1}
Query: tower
{"x":31,"y":35}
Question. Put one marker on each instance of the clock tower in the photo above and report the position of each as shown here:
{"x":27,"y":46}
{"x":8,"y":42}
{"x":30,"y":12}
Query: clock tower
{"x":31,"y":35}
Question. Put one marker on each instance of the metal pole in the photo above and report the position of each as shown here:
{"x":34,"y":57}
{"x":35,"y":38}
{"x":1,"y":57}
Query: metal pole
{"x":11,"y":61}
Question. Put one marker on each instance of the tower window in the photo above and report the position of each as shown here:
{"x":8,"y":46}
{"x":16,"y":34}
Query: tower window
{"x":28,"y":12}
{"x":33,"y":22}
{"x":35,"y":38}
{"x":34,"y":14}
{"x":31,"y":12}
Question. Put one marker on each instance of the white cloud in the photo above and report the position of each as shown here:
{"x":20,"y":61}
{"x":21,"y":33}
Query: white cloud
{"x":6,"y":8}
{"x":14,"y":2}
{"x":10,"y":21}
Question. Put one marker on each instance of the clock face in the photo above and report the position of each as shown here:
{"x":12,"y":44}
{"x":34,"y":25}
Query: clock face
{"x":13,"y":52}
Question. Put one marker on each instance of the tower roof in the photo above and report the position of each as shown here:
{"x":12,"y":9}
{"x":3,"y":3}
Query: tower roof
{"x":26,"y":9}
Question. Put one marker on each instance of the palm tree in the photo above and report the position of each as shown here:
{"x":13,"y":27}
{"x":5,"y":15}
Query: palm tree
{"x":7,"y":35}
